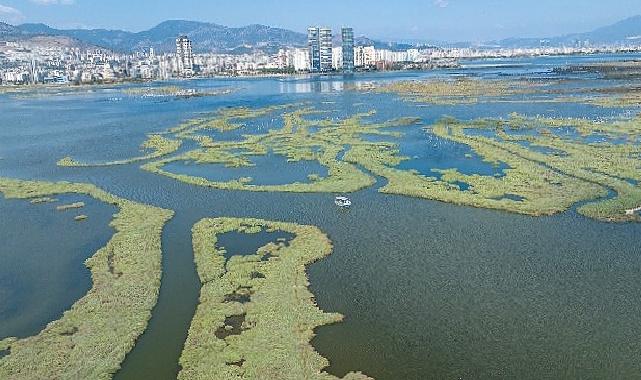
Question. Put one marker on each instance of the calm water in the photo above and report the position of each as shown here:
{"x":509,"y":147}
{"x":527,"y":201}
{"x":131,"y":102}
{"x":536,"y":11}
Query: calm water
{"x":429,"y":290}
{"x":43,"y":274}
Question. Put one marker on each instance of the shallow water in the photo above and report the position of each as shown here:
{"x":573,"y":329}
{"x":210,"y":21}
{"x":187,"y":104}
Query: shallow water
{"x":428,"y":289}
{"x":427,"y":152}
{"x":267,"y":170}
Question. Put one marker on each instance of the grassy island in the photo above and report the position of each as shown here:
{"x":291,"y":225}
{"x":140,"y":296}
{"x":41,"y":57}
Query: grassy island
{"x":553,"y":164}
{"x":455,"y":91}
{"x":256,"y":316}
{"x":92,"y":338}
{"x":300,"y":139}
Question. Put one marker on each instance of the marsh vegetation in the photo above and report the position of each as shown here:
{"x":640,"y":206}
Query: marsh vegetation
{"x":256,"y":316}
{"x":456,"y":91}
{"x":542,"y":166}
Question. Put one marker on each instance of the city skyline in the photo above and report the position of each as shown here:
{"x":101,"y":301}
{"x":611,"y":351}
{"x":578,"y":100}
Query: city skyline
{"x":412,"y":20}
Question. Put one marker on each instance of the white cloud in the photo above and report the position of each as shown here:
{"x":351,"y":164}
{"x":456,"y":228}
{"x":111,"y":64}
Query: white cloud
{"x":9,"y":14}
{"x":53,"y":2}
{"x":441,"y":3}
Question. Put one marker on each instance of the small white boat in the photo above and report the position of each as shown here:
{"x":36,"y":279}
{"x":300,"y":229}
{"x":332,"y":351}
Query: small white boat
{"x":342,"y":202}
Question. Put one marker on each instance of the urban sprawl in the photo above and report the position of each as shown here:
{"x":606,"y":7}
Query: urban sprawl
{"x":24,"y":64}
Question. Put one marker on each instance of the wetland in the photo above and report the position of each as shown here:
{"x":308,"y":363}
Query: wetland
{"x":493,"y":234}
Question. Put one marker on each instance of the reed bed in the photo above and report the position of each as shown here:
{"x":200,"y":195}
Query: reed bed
{"x":256,"y":316}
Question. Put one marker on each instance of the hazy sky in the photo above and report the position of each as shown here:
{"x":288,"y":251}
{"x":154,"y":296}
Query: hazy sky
{"x":450,"y":20}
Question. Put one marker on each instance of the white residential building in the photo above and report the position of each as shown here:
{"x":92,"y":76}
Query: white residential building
{"x":300,"y":59}
{"x":364,"y":56}
{"x":184,"y":57}
{"x":337,"y":58}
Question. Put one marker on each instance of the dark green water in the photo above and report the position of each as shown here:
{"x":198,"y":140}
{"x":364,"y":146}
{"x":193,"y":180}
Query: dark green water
{"x":429,"y":290}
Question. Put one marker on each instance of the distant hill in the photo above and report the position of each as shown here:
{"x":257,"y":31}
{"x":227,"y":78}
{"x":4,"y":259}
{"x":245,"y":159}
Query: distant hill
{"x":626,"y":30}
{"x":209,"y":37}
{"x":205,"y":36}
{"x":37,"y":35}
{"x":6,"y":29}
{"x":364,"y":41}
{"x":623,"y":32}
{"x":40,"y":29}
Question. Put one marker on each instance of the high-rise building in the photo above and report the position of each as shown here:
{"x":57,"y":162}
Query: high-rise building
{"x":347,"y":35}
{"x":313,"y":44}
{"x":326,"y":45}
{"x":184,"y":57}
{"x":319,"y":41}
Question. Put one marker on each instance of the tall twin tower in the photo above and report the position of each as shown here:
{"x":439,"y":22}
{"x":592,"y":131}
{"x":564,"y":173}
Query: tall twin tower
{"x":320,"y":45}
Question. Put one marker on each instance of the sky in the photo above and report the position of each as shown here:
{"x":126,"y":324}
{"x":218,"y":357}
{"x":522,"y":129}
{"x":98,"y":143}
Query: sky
{"x":399,"y":20}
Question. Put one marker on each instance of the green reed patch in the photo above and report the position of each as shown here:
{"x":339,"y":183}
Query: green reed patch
{"x":71,"y":206}
{"x":256,"y":317}
{"x":540,"y":183}
{"x":295,"y":141}
{"x":175,"y":91}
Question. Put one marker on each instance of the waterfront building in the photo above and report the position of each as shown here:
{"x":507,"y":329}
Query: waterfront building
{"x":358,"y":56}
{"x":313,"y":45}
{"x":326,"y":45}
{"x":347,"y":35}
{"x":413,"y":55}
{"x":283,"y":59}
{"x":364,"y":56}
{"x":300,"y":59}
{"x":319,"y":43}
{"x":184,"y":57}
{"x":337,"y":58}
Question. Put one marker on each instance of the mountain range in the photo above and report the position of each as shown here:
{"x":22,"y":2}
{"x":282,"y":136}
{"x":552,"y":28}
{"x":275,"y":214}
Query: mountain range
{"x":623,"y":32}
{"x":209,"y":37}
{"x":206,"y":37}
